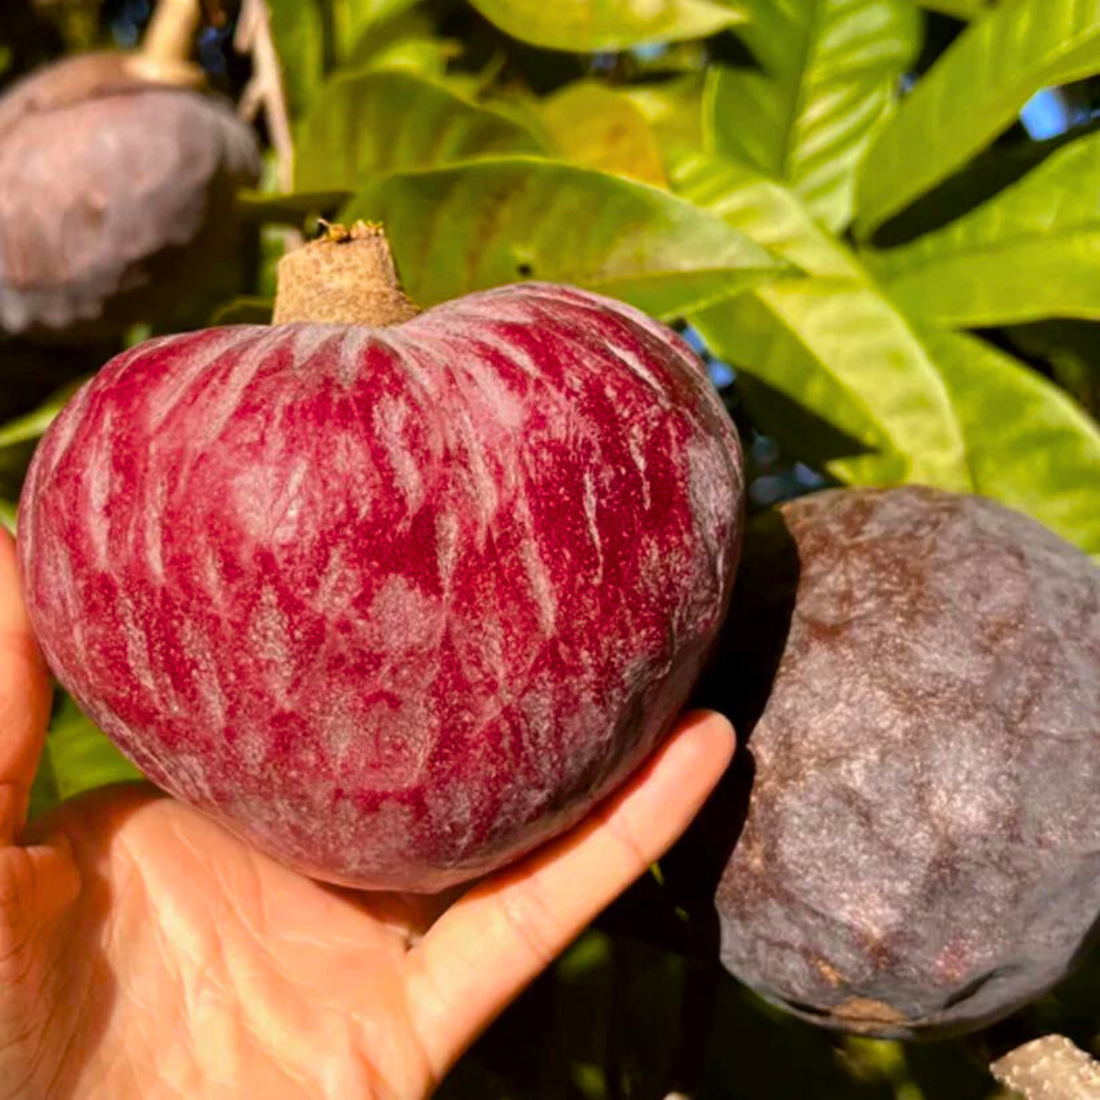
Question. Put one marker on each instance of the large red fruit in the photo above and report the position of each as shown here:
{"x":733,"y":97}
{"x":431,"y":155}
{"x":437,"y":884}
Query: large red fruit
{"x":394,"y":603}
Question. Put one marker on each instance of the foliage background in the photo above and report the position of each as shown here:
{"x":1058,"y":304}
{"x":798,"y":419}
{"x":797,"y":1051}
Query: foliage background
{"x":880,"y":225}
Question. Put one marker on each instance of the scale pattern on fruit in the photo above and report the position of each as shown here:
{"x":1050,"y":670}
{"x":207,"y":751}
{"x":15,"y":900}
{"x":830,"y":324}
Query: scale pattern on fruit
{"x":398,"y":603}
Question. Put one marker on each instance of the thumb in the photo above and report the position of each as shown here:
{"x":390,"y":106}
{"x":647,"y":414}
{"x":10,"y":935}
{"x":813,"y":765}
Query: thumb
{"x":493,"y":942}
{"x":24,"y":698}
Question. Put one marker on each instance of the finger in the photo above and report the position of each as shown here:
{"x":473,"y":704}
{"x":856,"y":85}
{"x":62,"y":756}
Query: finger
{"x":482,"y":952}
{"x":24,"y":698}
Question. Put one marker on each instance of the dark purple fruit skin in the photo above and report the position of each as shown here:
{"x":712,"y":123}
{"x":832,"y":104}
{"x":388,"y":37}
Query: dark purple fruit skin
{"x":116,"y":197}
{"x":908,"y":845}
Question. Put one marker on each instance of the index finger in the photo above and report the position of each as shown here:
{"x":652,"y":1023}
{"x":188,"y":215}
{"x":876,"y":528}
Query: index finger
{"x":24,"y":698}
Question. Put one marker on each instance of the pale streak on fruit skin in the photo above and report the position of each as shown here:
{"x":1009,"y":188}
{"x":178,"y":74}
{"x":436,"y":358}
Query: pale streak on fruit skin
{"x":418,"y":596}
{"x":921,"y":851}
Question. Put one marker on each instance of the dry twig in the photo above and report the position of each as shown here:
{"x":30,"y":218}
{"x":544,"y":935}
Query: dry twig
{"x":265,"y":90}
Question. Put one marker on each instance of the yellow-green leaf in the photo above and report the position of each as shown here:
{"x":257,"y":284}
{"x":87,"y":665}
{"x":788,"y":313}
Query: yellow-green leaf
{"x":829,"y":72}
{"x":354,"y":19}
{"x":503,"y":220}
{"x":367,"y":124}
{"x":827,"y":363}
{"x":960,"y":9}
{"x":1028,"y":253}
{"x":593,"y":125}
{"x":674,"y":110}
{"x":589,"y":25}
{"x":972,"y":94}
{"x":841,"y":352}
{"x":1028,"y":444}
{"x":764,"y":210}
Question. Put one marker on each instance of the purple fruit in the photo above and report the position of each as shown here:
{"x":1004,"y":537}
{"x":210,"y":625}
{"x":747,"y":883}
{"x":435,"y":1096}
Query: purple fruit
{"x":397,"y":603}
{"x":116,"y":190}
{"x":909,"y":841}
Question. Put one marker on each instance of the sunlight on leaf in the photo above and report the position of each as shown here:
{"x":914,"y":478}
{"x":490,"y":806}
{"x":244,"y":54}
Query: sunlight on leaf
{"x":586,"y":25}
{"x":1026,"y":254}
{"x":960,"y":9}
{"x":503,"y":220}
{"x":593,"y":125}
{"x":364,"y":125}
{"x":1028,"y":444}
{"x":972,"y":94}
{"x":828,"y":75}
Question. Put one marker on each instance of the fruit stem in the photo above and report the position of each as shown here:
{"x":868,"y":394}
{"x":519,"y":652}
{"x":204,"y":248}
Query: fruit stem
{"x":166,"y":48}
{"x":345,"y":277}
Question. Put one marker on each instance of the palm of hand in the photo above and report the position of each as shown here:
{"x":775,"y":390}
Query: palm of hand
{"x":145,"y":951}
{"x":148,"y":953}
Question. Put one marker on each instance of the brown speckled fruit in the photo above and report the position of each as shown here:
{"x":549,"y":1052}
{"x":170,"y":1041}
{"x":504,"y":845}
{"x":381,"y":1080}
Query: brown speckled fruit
{"x":116,"y":187}
{"x":909,"y":842}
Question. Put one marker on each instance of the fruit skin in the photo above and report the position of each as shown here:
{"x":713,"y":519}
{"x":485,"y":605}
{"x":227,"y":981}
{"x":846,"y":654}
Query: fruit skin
{"x":114,"y":191}
{"x":394,"y":604}
{"x":909,"y":846}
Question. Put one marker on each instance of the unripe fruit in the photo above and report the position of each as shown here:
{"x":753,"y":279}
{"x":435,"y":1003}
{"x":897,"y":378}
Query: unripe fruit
{"x":394,"y":603}
{"x":116,"y":188}
{"x":909,"y":842}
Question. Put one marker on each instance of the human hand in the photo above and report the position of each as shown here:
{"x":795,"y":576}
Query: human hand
{"x":145,"y":952}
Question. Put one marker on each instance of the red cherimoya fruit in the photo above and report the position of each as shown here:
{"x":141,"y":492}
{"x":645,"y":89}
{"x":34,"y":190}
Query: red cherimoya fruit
{"x":117,"y":184}
{"x":394,"y":603}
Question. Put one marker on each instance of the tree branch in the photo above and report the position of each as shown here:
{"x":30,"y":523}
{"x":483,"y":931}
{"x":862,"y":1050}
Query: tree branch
{"x":265,"y":89}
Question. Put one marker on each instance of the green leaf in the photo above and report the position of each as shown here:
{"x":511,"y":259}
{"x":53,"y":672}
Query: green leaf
{"x":44,"y":792}
{"x":490,"y":222}
{"x":298,"y":29}
{"x":871,"y":399}
{"x":764,"y":210}
{"x":1028,"y":444}
{"x":422,"y":55}
{"x":1028,"y":253}
{"x":972,"y":94}
{"x":292,"y":208}
{"x":312,"y":37}
{"x":829,"y":72}
{"x":845,"y":380}
{"x":590,"y":25}
{"x":8,"y":514}
{"x":982,"y":179}
{"x":402,"y":39}
{"x":244,"y":311}
{"x":354,"y":20}
{"x":594,"y":125}
{"x":77,"y":757}
{"x":960,"y":9}
{"x":1072,"y":350}
{"x":34,"y":424}
{"x":364,"y":125}
{"x":674,"y":110}
{"x":827,"y":364}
